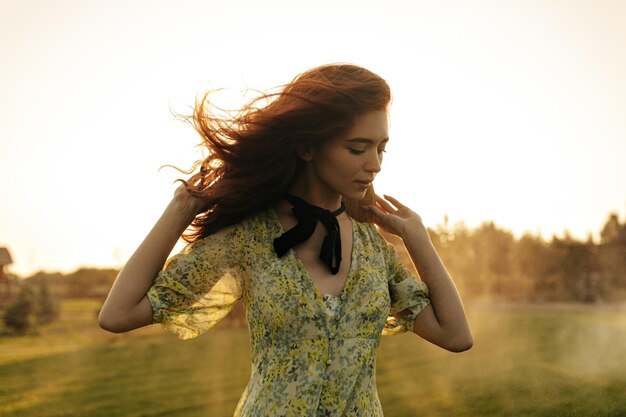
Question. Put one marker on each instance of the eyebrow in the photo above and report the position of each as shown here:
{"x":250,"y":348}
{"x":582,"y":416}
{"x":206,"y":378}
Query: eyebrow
{"x":366,"y":140}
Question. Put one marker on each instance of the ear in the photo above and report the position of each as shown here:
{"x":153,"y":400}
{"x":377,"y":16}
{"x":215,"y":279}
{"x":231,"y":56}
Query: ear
{"x":306,"y":153}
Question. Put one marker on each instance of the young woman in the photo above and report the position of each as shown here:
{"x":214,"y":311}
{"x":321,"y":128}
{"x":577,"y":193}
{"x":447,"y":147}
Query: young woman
{"x":283,"y":216}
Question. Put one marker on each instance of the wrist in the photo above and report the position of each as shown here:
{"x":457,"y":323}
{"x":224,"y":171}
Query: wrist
{"x":416,"y":235}
{"x":182,"y":210}
{"x":414,"y":230}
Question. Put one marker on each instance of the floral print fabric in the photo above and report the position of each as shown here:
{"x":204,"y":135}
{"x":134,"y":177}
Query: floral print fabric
{"x":312,"y":354}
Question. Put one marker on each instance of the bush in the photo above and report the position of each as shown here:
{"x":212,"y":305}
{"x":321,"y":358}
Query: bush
{"x":47,"y":309}
{"x":19,"y":315}
{"x":33,"y":305}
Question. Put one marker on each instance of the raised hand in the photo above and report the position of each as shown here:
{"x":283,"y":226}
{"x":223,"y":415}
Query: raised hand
{"x":397,"y":219}
{"x":188,"y":202}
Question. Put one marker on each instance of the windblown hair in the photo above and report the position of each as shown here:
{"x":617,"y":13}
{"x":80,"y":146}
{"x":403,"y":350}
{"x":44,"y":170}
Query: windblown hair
{"x":252,"y":157}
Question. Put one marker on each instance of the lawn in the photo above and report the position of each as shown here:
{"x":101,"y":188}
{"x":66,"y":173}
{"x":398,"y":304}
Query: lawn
{"x":526,"y":361}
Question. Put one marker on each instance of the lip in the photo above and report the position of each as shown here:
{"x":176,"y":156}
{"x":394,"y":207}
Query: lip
{"x":364,"y":183}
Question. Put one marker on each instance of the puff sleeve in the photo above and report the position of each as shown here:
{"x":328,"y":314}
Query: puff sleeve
{"x":200,"y":285}
{"x":406,"y":291}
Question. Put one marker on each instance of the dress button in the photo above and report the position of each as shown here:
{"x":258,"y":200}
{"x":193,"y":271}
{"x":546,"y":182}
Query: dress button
{"x":328,"y":362}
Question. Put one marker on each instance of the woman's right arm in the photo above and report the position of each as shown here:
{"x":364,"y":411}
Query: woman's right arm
{"x":127,"y":306}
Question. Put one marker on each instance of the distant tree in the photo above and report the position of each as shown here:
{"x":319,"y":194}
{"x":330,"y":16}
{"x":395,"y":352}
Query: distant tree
{"x":47,"y":308}
{"x":33,"y":305}
{"x":612,"y":230}
{"x":19,"y":315}
{"x":612,"y":261}
{"x":540,"y":265}
{"x":581,"y":269}
{"x":55,"y":281}
{"x":493,"y":248}
{"x":89,"y":282}
{"x":454,"y":245}
{"x":612,"y":256}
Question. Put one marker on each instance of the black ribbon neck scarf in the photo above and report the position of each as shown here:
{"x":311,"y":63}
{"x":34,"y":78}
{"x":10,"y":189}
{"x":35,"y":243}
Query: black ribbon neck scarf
{"x":308,"y":215}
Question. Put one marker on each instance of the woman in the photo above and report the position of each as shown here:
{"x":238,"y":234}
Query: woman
{"x":282,"y":216}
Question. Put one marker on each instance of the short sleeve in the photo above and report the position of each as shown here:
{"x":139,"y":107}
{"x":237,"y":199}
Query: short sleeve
{"x":406,"y":291}
{"x":200,"y":285}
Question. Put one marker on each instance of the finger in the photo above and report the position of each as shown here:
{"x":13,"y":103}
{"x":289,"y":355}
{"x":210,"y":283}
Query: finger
{"x":370,"y":207}
{"x":394,"y":201}
{"x":384,"y":207}
{"x":384,"y":204}
{"x":379,"y":216}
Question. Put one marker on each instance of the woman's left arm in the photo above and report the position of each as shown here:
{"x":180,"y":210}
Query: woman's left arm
{"x":443,"y":321}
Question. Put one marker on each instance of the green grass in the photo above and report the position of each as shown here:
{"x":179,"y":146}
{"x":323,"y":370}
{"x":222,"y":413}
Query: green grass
{"x":525,"y":362}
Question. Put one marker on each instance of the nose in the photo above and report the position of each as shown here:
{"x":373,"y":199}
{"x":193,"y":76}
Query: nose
{"x":374,"y":162}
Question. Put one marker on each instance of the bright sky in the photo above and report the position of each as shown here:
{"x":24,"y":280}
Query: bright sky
{"x":509,"y":111}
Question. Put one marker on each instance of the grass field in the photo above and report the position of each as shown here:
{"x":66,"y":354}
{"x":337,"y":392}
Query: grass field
{"x":526,"y":361}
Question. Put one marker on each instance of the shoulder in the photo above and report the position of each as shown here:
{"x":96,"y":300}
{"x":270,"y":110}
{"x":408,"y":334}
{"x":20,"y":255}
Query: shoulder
{"x":248,"y":224}
{"x":254,"y":227}
{"x":233,"y":235}
{"x":229,"y":242}
{"x":260,"y":222}
{"x":369,"y":233}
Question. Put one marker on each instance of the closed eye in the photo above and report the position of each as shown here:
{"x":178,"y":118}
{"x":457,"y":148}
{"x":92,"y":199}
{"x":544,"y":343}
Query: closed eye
{"x":369,"y":143}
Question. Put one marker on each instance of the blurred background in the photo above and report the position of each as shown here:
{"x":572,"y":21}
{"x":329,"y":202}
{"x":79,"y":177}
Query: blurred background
{"x":508,"y":137}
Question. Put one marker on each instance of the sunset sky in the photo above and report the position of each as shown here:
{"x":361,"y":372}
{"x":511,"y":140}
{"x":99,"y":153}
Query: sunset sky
{"x":508,"y":111}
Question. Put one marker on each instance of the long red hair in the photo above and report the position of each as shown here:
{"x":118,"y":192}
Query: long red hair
{"x":252,"y":157}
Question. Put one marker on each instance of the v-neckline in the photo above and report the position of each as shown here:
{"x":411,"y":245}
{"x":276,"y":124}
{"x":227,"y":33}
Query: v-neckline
{"x":300,"y":264}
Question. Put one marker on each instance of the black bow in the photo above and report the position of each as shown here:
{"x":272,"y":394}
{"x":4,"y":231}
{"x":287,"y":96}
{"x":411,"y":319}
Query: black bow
{"x":308,"y":215}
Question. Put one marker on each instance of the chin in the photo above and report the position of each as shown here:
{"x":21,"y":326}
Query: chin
{"x":359,"y":193}
{"x":355,"y":195}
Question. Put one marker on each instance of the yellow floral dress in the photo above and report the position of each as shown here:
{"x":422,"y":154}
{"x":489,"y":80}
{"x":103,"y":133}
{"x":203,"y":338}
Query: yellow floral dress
{"x":312,"y":354}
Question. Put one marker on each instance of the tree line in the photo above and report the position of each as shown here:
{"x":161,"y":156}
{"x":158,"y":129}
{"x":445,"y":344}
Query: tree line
{"x":487,"y":263}
{"x":28,"y":303}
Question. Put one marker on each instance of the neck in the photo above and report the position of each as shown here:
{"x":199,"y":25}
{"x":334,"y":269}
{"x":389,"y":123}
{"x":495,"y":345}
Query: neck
{"x":316,"y":194}
{"x":328,"y":202}
{"x":309,"y":188}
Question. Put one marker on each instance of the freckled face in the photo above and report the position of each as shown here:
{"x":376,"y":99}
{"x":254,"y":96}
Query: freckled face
{"x":347,"y":165}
